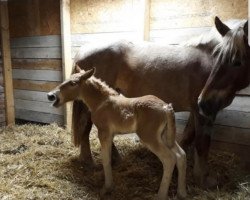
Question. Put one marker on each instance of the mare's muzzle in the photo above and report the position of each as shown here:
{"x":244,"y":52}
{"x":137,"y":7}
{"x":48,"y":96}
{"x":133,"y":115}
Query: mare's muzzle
{"x":208,"y":108}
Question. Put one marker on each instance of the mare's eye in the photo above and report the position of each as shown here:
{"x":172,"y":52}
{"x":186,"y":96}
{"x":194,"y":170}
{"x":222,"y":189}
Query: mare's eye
{"x":236,"y":63}
{"x":72,"y":83}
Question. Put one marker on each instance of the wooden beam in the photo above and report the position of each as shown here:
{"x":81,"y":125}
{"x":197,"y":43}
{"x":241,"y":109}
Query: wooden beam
{"x":144,"y":23}
{"x":7,"y":69}
{"x":66,"y":51}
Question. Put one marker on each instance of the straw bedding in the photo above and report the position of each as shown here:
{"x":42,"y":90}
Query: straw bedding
{"x":40,"y":162}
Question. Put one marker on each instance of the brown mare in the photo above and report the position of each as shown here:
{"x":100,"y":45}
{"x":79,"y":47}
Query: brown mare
{"x":175,"y":74}
{"x":112,"y":113}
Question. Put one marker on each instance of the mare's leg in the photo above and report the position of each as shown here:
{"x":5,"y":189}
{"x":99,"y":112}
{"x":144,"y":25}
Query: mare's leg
{"x":181,"y":166}
{"x":202,"y":144}
{"x":189,"y":132}
{"x":166,"y":156}
{"x":81,"y":127}
{"x":106,"y":146}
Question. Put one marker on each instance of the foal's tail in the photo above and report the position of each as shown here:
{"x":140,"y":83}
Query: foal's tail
{"x":170,"y":130}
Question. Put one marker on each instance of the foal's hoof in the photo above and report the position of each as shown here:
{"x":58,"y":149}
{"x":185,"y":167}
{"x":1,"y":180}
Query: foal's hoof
{"x":182,"y":196}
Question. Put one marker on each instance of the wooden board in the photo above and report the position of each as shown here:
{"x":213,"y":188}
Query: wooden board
{"x":37,"y":106}
{"x":39,"y":75}
{"x":43,"y":86}
{"x":104,"y":16}
{"x":34,"y":17}
{"x":43,"y":52}
{"x":36,"y":41}
{"x":7,"y":69}
{"x":37,"y":64}
{"x":31,"y":95}
{"x":38,"y":116}
{"x":168,"y":14}
{"x":78,"y":40}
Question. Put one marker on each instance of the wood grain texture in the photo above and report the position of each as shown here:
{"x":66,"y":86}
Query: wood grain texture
{"x":37,"y":106}
{"x":37,"y":64}
{"x":34,"y":116}
{"x":31,"y":95}
{"x":42,"y":86}
{"x":43,"y":52}
{"x":34,"y":17}
{"x":7,"y":69}
{"x":39,"y":75}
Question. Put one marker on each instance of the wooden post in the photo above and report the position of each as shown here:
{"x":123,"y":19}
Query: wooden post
{"x":7,"y":68}
{"x":145,"y":20}
{"x":66,"y":51}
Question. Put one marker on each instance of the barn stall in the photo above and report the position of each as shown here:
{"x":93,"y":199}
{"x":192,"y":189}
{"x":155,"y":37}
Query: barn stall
{"x":39,"y":39}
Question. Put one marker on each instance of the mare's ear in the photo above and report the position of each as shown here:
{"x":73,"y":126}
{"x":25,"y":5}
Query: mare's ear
{"x":77,"y":69}
{"x":246,"y":28}
{"x":221,"y":27}
{"x":87,"y":74}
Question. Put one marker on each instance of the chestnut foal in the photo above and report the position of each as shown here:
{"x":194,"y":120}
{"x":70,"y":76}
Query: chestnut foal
{"x":112,"y":113}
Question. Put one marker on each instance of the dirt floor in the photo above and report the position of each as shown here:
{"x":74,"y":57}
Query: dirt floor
{"x":40,"y":162}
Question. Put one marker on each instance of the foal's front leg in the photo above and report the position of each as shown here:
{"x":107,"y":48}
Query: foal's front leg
{"x":106,"y":138}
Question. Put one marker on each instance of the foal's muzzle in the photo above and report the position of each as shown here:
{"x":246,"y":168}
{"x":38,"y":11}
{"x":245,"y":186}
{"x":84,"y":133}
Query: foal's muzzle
{"x":51,"y":96}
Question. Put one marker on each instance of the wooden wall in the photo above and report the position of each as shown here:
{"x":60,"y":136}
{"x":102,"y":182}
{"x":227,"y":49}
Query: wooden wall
{"x":36,"y":58}
{"x":2,"y":103}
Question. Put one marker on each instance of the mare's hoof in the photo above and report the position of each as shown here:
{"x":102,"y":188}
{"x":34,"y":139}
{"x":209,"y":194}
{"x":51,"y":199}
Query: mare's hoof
{"x":116,"y":160}
{"x":207,"y":183}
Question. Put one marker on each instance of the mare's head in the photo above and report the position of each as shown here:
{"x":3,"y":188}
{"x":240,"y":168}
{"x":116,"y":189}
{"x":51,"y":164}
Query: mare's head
{"x":70,"y":89}
{"x":231,"y":70}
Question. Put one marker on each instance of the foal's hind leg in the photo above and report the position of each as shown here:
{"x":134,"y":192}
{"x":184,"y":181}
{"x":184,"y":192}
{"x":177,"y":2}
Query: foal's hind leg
{"x":168,"y":159}
{"x":181,"y":166}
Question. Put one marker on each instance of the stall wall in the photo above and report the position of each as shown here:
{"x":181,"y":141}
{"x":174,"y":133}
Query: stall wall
{"x":36,"y":58}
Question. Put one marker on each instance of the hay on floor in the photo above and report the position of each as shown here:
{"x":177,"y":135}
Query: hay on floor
{"x":40,"y":162}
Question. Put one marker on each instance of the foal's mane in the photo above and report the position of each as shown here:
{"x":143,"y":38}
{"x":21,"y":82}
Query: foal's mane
{"x":102,"y":86}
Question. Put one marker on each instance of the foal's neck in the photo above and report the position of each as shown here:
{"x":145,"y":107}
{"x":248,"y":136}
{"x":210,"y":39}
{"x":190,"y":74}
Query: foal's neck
{"x":95,"y":93}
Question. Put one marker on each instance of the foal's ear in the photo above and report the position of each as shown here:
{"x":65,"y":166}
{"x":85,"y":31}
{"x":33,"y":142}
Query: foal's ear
{"x":88,"y":74}
{"x":246,"y":28}
{"x":221,"y":27}
{"x":77,"y":69}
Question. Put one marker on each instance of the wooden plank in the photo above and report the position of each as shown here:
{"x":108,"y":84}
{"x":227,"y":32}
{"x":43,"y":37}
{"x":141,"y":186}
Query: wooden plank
{"x":41,"y":64}
{"x":43,"y":52}
{"x":176,"y":36}
{"x":78,"y":40}
{"x":227,"y":134}
{"x":36,"y":41}
{"x":31,"y":95}
{"x":7,"y":69}
{"x":66,"y":51}
{"x":42,"y":86}
{"x":245,"y":91}
{"x":144,"y":23}
{"x":30,"y":115}
{"x":37,"y":106}
{"x":39,"y":75}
